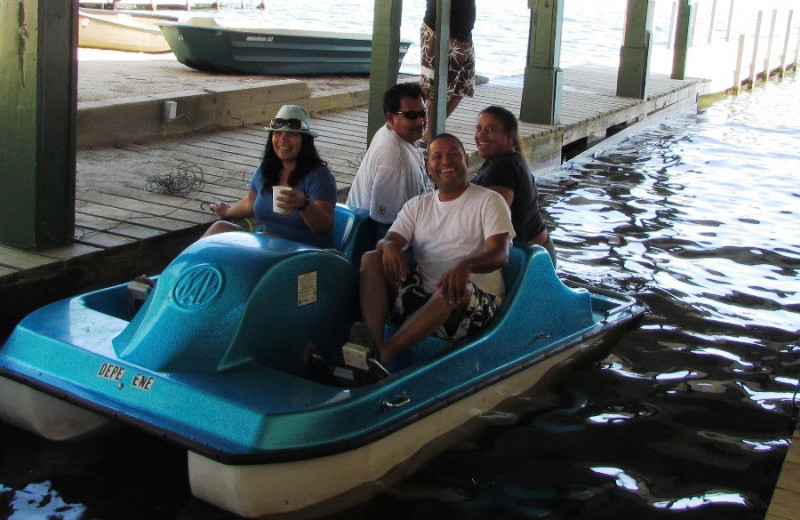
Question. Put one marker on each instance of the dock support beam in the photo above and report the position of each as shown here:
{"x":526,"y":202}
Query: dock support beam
{"x":436,"y":119}
{"x":682,"y":32}
{"x":385,"y":55}
{"x":541,"y":91}
{"x":38,"y":113}
{"x":634,"y":61}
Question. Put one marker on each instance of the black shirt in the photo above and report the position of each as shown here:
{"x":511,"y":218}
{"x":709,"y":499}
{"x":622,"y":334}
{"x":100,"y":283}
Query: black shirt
{"x":462,"y":18}
{"x":511,"y":171}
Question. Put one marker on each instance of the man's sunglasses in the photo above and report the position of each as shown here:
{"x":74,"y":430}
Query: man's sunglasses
{"x":292,"y":124}
{"x":413,"y":114}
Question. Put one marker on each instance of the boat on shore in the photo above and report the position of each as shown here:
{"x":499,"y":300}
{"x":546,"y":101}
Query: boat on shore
{"x":202,"y":44}
{"x":230,"y":357}
{"x":154,"y":5}
{"x":130,"y":31}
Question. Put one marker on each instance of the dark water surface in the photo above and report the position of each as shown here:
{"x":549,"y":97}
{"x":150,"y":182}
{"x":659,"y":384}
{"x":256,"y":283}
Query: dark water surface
{"x":687,"y":417}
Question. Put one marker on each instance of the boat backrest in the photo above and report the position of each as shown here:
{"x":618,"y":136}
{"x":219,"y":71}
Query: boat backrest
{"x":353,"y":232}
{"x":513,"y":270}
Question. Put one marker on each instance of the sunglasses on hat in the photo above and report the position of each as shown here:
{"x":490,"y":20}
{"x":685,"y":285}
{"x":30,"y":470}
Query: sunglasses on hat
{"x":292,"y":124}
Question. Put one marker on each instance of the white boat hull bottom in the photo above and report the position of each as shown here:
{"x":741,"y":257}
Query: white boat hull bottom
{"x":45,"y":415}
{"x":279,"y":488}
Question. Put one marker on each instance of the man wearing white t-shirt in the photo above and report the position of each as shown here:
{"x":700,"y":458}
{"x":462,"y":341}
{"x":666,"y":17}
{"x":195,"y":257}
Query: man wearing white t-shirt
{"x":460,"y":234}
{"x":393,"y":169}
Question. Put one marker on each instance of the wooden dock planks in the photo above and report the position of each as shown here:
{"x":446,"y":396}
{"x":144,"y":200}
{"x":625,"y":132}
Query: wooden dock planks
{"x":785,"y":501}
{"x":123,"y":228}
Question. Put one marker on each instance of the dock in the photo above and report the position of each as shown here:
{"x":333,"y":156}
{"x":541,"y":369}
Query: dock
{"x":131,"y":221}
{"x":786,"y":497}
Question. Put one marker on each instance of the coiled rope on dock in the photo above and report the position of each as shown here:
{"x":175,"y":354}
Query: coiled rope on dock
{"x":183,"y":178}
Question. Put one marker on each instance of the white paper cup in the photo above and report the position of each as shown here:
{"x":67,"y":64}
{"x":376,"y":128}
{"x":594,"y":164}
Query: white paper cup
{"x":278,"y":190}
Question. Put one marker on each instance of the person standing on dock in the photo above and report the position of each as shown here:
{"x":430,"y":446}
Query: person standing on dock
{"x":505,"y":171}
{"x":393,"y":169}
{"x":461,"y":59}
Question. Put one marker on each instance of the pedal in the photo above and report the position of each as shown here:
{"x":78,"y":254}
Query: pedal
{"x":356,"y":356}
{"x":139,"y":289}
{"x":344,"y":375}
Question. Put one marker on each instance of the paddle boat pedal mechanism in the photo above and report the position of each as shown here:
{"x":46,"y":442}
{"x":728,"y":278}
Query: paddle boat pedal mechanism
{"x":220,"y":359}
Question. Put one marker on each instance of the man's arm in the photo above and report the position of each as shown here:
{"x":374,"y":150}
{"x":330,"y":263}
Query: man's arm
{"x":390,"y":247}
{"x":453,"y":282}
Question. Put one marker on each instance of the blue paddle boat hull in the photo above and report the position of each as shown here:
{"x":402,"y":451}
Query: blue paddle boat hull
{"x":220,"y":359}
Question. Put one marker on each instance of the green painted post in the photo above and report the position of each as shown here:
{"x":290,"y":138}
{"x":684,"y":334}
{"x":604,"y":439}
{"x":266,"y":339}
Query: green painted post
{"x":685,"y":15}
{"x":634,"y":61}
{"x":385,"y":53}
{"x":541,"y":91}
{"x":437,"y":118}
{"x":38,"y":112}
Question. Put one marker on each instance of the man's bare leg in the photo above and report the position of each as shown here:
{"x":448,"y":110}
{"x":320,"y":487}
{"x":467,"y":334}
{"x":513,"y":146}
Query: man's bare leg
{"x":374,"y":294}
{"x":423,"y":323}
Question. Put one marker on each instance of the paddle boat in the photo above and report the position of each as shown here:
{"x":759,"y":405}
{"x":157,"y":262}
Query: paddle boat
{"x":231,"y":353}
{"x":203,"y":44}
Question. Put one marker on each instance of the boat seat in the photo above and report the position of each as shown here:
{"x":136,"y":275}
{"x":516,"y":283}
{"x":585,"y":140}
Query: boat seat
{"x":353,"y":232}
{"x":512,"y":274}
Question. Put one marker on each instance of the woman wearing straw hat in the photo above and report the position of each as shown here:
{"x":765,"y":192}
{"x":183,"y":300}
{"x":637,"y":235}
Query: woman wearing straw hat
{"x":303,"y":210}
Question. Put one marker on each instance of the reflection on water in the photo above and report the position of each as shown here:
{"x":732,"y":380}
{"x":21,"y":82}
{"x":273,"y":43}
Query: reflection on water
{"x":687,"y":417}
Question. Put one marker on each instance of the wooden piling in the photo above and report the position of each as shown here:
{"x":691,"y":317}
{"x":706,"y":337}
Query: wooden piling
{"x":752,"y":77}
{"x":737,"y":74}
{"x":383,"y":71}
{"x":437,"y":117}
{"x":542,"y":90}
{"x":635,"y":52}
{"x":797,"y":49}
{"x":37,"y":122}
{"x":682,"y":30}
{"x":671,"y":31}
{"x":711,"y":22}
{"x":730,"y":22}
{"x":769,"y":44}
{"x":784,"y":55}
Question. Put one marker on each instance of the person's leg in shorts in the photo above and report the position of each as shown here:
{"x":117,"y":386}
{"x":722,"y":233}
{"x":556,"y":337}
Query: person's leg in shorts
{"x":460,"y":74}
{"x":423,"y":314}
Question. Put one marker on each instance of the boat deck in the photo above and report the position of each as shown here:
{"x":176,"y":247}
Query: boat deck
{"x":124,"y":229}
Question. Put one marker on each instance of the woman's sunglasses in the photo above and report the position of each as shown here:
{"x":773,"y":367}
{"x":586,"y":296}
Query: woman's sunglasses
{"x":292,"y":124}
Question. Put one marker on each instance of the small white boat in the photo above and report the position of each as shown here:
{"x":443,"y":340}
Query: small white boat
{"x":122,"y":31}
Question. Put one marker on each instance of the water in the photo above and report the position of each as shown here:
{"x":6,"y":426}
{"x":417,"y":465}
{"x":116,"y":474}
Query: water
{"x":592,"y":32}
{"x":687,"y":416}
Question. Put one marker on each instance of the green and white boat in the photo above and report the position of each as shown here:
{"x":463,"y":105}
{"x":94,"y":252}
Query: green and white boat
{"x":204,"y":45}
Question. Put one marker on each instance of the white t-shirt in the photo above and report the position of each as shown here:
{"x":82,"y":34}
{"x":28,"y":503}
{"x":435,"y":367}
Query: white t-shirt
{"x":392,"y":171}
{"x":444,"y":233}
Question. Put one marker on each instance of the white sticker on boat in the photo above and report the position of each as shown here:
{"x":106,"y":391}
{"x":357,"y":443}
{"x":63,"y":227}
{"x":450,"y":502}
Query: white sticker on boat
{"x":306,"y":288}
{"x":259,"y":38}
{"x":112,"y":372}
{"x":143,"y":382}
